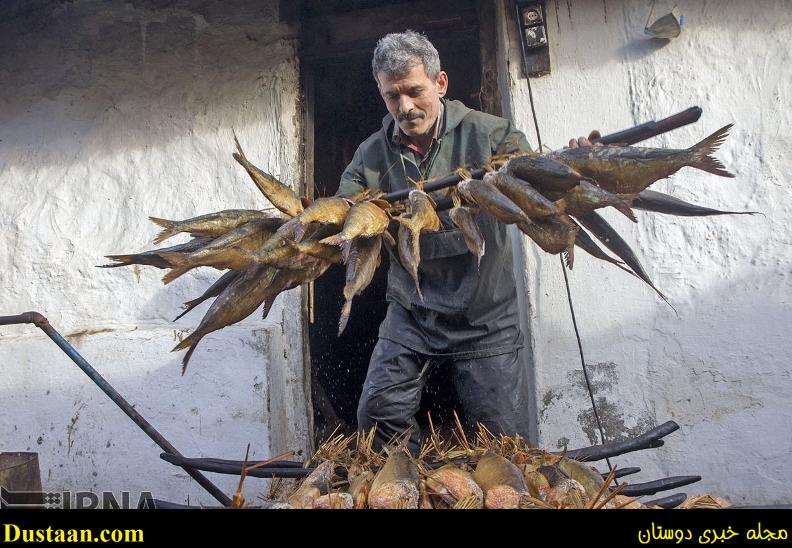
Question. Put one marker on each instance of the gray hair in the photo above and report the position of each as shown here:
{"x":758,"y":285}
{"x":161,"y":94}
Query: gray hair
{"x":397,"y":53}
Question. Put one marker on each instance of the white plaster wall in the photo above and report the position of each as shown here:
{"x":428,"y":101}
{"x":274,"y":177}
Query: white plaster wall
{"x":720,"y":368}
{"x":111,"y":112}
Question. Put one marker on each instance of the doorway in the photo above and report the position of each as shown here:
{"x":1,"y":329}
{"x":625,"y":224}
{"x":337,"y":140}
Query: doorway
{"x":343,"y":108}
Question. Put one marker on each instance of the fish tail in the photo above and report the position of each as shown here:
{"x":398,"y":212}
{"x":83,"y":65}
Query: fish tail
{"x":388,"y":239}
{"x":286,"y":227}
{"x":561,"y":204}
{"x":351,"y":269}
{"x":164,"y":235}
{"x":168,"y":227}
{"x":165,"y":223}
{"x":702,"y":153}
{"x":185,"y":311}
{"x":411,"y":254}
{"x":240,"y":159}
{"x":239,"y":155}
{"x":187,"y":356}
{"x":524,"y":228}
{"x":662,"y":296}
{"x":415,"y":246}
{"x":332,"y":240}
{"x":564,"y":218}
{"x":174,"y":258}
{"x":189,"y":305}
{"x":346,"y":249}
{"x":525,"y":219}
{"x":403,"y":247}
{"x":628,"y":198}
{"x":345,"y":311}
{"x":569,"y":256}
{"x":404,"y":220}
{"x":175,"y":273}
{"x":299,"y":231}
{"x":624,"y":208}
{"x":189,"y":340}
{"x":584,"y":241}
{"x":267,"y":307}
{"x":121,"y":260}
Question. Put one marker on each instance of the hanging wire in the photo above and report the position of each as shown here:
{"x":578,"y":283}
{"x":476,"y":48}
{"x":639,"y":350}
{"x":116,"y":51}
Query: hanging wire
{"x":583,"y":363}
{"x":533,"y":112}
{"x":569,"y":298}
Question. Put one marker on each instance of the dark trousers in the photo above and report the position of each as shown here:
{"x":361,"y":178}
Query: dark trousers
{"x":492,"y":390}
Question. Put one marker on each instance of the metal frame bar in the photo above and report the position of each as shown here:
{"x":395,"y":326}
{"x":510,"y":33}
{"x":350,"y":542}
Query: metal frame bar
{"x":647,"y":440}
{"x":42,"y":323}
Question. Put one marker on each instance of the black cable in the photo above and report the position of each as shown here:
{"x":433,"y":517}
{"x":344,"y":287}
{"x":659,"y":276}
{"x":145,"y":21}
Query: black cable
{"x":583,"y":362}
{"x":569,"y":298}
{"x":533,"y":111}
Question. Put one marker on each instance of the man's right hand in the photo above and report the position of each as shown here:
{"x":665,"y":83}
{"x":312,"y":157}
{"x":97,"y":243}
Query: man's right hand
{"x":586,"y":141}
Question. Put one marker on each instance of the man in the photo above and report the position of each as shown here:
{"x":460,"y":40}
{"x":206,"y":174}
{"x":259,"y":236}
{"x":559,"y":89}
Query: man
{"x":468,"y":321}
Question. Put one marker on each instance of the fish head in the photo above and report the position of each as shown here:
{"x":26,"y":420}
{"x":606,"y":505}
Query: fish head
{"x":489,"y":177}
{"x":335,"y":201}
{"x":419,"y":196}
{"x":464,"y":190}
{"x":382,"y":204}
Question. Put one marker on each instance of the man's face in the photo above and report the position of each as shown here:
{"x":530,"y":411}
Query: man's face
{"x":413,"y":99}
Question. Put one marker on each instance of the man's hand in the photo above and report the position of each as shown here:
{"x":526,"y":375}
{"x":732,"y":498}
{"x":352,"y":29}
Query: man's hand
{"x":586,"y":142}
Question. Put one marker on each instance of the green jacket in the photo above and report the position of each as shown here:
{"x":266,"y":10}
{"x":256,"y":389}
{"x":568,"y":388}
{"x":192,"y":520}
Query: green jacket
{"x":468,"y":311}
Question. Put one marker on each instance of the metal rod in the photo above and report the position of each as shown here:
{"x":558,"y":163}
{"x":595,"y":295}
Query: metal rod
{"x":294,"y":469}
{"x":671,"y":501}
{"x":437,"y":184}
{"x":646,"y":440}
{"x":280,"y":469}
{"x":42,"y":323}
{"x":627,"y":136}
{"x":220,"y":466}
{"x":196,"y":463}
{"x":651,"y":129}
{"x":27,"y":317}
{"x":652,"y":487}
{"x":159,"y":504}
{"x":621,"y":472}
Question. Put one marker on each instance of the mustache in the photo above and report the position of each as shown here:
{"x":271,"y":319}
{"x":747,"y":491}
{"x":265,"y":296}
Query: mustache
{"x":410,"y":116}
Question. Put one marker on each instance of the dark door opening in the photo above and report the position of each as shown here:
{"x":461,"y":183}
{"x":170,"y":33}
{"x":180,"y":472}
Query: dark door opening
{"x":344,"y":108}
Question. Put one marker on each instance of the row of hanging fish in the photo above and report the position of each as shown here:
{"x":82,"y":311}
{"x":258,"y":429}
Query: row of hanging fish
{"x":549,"y":197}
{"x":552,"y":197}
